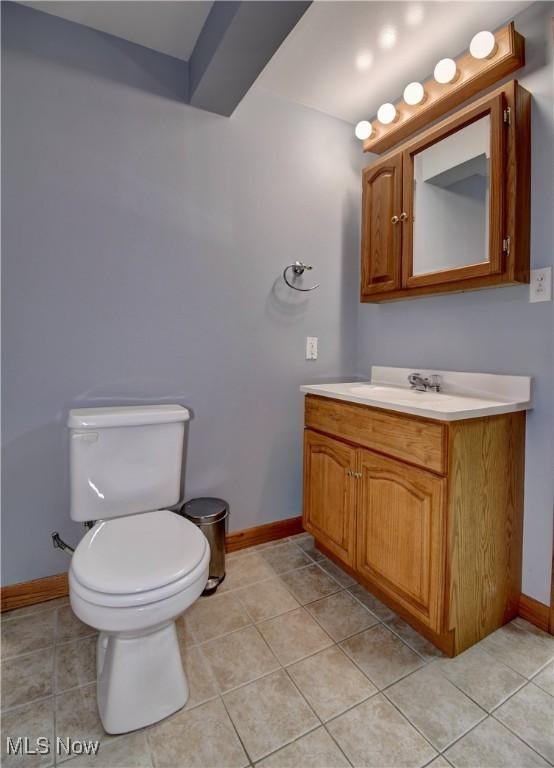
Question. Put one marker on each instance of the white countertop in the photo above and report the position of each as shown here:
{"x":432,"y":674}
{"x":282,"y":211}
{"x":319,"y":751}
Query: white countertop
{"x":462,"y":395}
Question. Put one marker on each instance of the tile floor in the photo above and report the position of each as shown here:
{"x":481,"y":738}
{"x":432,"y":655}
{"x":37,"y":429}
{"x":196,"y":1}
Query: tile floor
{"x":292,"y":664}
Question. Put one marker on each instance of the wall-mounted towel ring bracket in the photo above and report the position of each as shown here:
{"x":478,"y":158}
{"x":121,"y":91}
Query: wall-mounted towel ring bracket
{"x":298,"y":268}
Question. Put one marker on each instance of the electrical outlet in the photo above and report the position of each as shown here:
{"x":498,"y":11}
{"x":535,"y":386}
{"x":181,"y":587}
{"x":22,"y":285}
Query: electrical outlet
{"x":311,"y":347}
{"x":540,"y":286}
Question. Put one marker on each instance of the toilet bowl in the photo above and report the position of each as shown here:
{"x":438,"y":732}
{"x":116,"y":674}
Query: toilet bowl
{"x":136,"y":570}
{"x":130,"y":578}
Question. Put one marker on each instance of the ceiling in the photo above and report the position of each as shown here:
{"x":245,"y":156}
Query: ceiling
{"x":347,"y":58}
{"x":165,"y":26}
{"x":343,"y":58}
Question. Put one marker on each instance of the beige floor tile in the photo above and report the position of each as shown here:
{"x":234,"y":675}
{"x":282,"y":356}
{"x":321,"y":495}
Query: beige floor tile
{"x":521,"y":646}
{"x":77,"y":715}
{"x":269,"y":544}
{"x":306,"y":543}
{"x":230,"y":556}
{"x":381,"y":655}
{"x":343,"y":578}
{"x":31,"y":721}
{"x":439,"y":762}
{"x":437,"y":708}
{"x":310,"y":583}
{"x":31,"y":610}
{"x":26,"y":678}
{"x":371,"y":602}
{"x":530,"y":715}
{"x":75,"y":663}
{"x":269,"y":713}
{"x":341,"y":615}
{"x":417,"y":642}
{"x":314,"y":750}
{"x":267,"y":599}
{"x":545,"y":679}
{"x":69,"y":627}
{"x":331,"y":682}
{"x":126,"y":752}
{"x":285,"y":557}
{"x":244,"y":571}
{"x":481,"y":676}
{"x":198,"y":738}
{"x":490,"y":745}
{"x":293,"y":636}
{"x":239,"y":658}
{"x":28,"y":633}
{"x":200,"y":679}
{"x":375,"y":735}
{"x":210,"y":617}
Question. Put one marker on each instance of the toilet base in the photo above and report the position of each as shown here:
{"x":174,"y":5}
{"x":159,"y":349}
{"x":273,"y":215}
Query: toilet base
{"x":140,"y":678}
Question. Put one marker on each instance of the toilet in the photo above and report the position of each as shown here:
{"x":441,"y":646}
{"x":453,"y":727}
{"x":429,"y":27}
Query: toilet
{"x":140,"y":565}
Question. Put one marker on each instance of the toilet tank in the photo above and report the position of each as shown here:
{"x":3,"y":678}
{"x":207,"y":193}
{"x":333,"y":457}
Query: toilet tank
{"x":125,"y":460}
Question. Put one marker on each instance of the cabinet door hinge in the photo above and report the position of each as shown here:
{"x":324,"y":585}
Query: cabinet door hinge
{"x":507,"y":115}
{"x":506,"y":243}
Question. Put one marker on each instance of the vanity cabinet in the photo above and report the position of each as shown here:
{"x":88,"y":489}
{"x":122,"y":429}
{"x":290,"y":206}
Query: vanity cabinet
{"x":426,"y":514}
{"x":330,"y":493}
{"x":449,"y":210}
{"x":400,"y":531}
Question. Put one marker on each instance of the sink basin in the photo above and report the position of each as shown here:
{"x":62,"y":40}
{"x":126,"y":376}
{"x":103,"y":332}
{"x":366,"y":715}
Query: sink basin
{"x":489,"y":394}
{"x":400,"y":396}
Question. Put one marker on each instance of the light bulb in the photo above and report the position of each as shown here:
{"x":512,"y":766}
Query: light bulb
{"x":483,"y":45}
{"x":446,"y":71}
{"x":414,"y":93}
{"x":363,"y":130}
{"x":386,"y":113}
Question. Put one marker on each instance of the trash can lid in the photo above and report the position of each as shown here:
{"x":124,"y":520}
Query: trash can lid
{"x":205,"y":509}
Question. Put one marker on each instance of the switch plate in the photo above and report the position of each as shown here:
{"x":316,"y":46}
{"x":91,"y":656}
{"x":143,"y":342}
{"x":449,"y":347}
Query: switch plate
{"x":540,"y":286}
{"x":311,"y":347}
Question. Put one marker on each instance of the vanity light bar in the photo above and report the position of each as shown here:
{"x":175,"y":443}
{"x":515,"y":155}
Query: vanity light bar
{"x":490,"y":58}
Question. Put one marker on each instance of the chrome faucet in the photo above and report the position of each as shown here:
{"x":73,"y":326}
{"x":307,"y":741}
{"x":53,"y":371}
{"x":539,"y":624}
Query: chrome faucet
{"x":423,"y":384}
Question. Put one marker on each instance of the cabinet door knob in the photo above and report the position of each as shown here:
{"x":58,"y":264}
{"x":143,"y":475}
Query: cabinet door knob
{"x":395,"y":220}
{"x":403,"y":216}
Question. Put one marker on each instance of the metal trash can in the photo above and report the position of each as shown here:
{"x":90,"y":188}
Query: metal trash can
{"x":210,"y":516}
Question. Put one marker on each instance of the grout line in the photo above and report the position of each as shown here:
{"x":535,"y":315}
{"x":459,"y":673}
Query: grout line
{"x":243,"y":745}
{"x":512,"y":731}
{"x":495,"y":657}
{"x":413,"y":725}
{"x":41,"y":699}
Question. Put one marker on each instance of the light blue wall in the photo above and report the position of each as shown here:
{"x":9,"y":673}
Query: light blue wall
{"x":497,"y":330}
{"x":143,"y":244}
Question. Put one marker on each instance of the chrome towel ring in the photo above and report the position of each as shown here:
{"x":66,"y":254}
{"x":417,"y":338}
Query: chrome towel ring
{"x":298,"y":268}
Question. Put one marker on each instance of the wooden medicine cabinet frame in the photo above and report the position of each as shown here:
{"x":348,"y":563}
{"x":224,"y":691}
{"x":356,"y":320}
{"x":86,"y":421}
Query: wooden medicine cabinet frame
{"x":387,"y":206}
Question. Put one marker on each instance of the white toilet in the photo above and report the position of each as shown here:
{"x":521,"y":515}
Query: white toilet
{"x":140,"y":566}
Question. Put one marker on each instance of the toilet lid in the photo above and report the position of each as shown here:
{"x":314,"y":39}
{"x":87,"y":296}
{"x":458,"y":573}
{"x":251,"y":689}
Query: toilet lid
{"x":138,"y":553}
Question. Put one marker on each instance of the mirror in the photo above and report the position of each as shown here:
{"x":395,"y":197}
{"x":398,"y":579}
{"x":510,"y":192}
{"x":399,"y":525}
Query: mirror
{"x":451,"y":200}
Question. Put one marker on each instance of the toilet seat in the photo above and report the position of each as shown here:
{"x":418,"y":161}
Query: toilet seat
{"x":137,"y":560}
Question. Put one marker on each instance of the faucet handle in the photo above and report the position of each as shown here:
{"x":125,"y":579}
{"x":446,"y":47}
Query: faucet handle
{"x":435,"y":382}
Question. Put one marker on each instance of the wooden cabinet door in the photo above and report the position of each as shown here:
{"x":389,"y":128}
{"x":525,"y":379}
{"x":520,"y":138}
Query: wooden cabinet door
{"x":400,"y":534}
{"x":450,"y":246}
{"x":329,"y":493}
{"x":381,"y":226}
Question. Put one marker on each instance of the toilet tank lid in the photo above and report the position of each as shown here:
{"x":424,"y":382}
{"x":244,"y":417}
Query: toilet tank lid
{"x":125,"y":416}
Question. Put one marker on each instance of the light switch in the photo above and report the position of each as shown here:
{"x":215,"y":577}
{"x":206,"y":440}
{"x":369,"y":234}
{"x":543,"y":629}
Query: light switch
{"x":540,"y":286}
{"x":311,"y":347}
